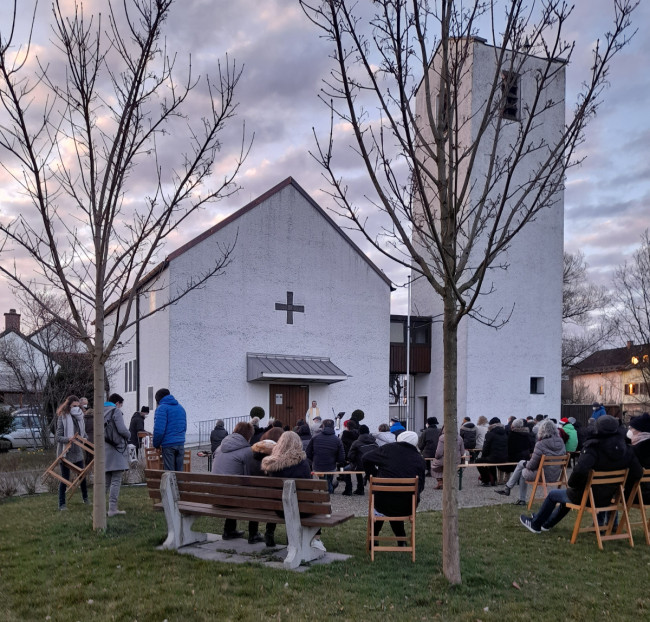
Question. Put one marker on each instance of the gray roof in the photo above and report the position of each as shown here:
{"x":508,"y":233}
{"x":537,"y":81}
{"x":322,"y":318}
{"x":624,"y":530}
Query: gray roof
{"x":272,"y":367}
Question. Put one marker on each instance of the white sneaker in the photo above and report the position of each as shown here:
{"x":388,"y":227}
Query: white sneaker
{"x":115,"y":512}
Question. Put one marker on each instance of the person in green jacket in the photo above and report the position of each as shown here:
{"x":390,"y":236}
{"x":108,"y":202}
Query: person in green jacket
{"x":570,"y":435}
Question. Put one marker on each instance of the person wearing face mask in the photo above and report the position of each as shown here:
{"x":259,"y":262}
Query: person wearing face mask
{"x":70,"y":421}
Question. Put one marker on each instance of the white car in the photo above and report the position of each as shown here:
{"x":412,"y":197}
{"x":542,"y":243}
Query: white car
{"x":26,"y":431}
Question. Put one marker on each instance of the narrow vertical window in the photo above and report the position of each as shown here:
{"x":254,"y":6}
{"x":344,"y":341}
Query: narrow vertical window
{"x":510,"y":95}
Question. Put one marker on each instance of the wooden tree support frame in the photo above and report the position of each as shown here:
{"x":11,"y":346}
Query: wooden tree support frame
{"x":77,"y":474}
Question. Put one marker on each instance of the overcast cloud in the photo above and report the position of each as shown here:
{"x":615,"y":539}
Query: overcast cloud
{"x":284,"y":60}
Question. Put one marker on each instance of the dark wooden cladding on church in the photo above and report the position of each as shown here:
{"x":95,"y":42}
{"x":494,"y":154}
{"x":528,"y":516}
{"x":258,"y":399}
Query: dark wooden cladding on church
{"x":420,"y":359}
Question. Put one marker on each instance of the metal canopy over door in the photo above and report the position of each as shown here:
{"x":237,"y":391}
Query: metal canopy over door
{"x":288,"y":402}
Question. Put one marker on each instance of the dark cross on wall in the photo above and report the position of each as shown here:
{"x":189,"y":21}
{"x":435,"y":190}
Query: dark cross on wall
{"x":290,"y":308}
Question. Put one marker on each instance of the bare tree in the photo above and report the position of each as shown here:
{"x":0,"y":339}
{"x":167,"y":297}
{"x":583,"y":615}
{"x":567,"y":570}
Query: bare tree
{"x":632,"y":286}
{"x":585,"y":322}
{"x":75,"y":127}
{"x":443,"y":219}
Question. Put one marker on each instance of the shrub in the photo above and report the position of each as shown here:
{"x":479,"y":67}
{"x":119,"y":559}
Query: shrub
{"x":29,"y":481}
{"x":257,"y":411}
{"x":357,"y":415}
{"x":8,"y":484}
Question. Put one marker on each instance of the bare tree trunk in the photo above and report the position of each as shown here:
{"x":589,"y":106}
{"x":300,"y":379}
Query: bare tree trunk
{"x":450,"y":539}
{"x":99,"y":492}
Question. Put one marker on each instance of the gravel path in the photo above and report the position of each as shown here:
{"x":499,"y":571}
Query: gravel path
{"x":471,"y":496}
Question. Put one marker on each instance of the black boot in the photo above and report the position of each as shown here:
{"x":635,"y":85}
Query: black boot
{"x":359,"y":491}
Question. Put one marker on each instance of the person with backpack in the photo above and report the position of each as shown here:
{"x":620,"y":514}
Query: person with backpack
{"x":116,"y":439}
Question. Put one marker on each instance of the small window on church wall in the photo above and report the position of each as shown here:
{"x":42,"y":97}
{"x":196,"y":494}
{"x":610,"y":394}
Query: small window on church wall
{"x":397,"y":332}
{"x":510,"y":95}
{"x":130,"y":376}
{"x":536,"y":385}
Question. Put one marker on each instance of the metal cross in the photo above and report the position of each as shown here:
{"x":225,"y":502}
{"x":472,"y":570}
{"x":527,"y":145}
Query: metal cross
{"x":290,"y":308}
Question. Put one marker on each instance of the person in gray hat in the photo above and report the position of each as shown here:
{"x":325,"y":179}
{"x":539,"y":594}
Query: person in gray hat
{"x":604,"y":451}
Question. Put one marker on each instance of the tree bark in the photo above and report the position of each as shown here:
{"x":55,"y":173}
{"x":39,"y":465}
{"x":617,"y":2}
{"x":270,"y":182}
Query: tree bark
{"x":450,"y":538}
{"x":99,"y":490}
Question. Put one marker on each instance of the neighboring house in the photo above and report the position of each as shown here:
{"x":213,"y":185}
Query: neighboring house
{"x":515,"y":370}
{"x":300,"y":314}
{"x":617,"y":376}
{"x":24,"y":365}
{"x":27,"y":362}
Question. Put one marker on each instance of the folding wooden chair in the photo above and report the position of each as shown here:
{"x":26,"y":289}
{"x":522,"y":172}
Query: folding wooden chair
{"x":77,"y":474}
{"x":408,"y":485}
{"x":153,"y":459}
{"x":635,"y":501}
{"x":540,"y":479}
{"x":617,"y":503}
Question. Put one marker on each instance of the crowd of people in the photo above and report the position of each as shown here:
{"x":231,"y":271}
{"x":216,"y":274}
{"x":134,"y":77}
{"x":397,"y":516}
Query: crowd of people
{"x":314,"y":445}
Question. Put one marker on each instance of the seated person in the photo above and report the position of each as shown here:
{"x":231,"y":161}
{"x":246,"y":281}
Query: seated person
{"x":439,"y":459}
{"x":399,"y":459}
{"x":548,"y":443}
{"x":639,"y":434}
{"x":495,"y":450}
{"x":606,"y":450}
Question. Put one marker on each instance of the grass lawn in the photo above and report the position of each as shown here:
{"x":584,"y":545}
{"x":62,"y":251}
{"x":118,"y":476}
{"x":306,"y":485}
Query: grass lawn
{"x":54,"y":567}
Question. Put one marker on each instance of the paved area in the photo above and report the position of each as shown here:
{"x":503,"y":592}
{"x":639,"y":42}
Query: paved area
{"x":240,"y":552}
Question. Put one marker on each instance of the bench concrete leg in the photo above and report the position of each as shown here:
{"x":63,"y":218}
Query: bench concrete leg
{"x":299,"y":538}
{"x":179,"y":527}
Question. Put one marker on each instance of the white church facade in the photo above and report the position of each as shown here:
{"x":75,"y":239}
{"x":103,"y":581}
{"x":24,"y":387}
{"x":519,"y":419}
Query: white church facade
{"x":299,"y":314}
{"x":515,"y":370}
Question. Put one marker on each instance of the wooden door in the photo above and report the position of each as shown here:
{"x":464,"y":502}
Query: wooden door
{"x":288,"y":402}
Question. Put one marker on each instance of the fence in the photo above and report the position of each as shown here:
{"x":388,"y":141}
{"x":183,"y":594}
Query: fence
{"x":206,"y":426}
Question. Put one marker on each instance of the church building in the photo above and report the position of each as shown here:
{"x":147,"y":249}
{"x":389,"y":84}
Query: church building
{"x":299,"y":314}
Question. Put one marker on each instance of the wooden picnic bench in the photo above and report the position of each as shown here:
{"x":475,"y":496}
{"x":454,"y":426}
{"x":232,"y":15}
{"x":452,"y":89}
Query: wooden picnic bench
{"x":303,"y":505}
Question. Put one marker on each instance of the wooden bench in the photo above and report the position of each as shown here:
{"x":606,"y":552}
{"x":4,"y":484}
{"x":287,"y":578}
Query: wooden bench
{"x":185,"y":496}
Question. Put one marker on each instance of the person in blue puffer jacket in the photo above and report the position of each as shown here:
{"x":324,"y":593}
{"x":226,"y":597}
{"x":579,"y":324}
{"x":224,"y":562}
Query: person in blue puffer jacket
{"x":169,"y":426}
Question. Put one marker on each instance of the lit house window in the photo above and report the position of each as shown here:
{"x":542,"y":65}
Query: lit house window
{"x":635,"y":360}
{"x":631,"y":388}
{"x":510,"y":95}
{"x":536,"y":385}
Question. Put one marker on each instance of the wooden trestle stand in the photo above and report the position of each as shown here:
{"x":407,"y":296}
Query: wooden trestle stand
{"x":77,"y":474}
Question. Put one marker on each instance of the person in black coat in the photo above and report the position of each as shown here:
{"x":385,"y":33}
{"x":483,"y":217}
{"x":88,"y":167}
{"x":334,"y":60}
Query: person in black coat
{"x":428,"y":442}
{"x":137,"y":425}
{"x":364,"y":444}
{"x":639,"y":434}
{"x":217,"y":435}
{"x":606,"y":450}
{"x":495,"y":450}
{"x":325,"y":451}
{"x":520,"y":443}
{"x":399,"y":459}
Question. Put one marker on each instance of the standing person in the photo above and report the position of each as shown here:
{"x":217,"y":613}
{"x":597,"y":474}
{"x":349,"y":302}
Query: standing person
{"x":364,"y":444}
{"x":89,"y":425}
{"x":70,"y":421}
{"x":428,"y":442}
{"x":316,"y":425}
{"x":137,"y":425}
{"x":116,"y":451}
{"x":312,"y":411}
{"x":217,"y":435}
{"x":396,"y":426}
{"x":399,"y":459}
{"x":169,"y":426}
{"x":235,"y":457}
{"x":325,"y":451}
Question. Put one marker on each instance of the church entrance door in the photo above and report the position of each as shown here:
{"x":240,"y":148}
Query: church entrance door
{"x":288,"y":402}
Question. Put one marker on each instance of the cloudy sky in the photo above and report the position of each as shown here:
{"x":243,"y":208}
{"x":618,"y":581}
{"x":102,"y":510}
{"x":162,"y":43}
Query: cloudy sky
{"x":607,"y":201}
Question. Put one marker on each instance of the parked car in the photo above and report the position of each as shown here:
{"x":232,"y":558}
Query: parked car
{"x":26,"y":430}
